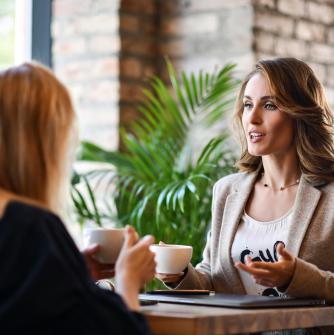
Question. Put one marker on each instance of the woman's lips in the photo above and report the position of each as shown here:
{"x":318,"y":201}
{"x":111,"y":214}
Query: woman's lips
{"x":255,"y":136}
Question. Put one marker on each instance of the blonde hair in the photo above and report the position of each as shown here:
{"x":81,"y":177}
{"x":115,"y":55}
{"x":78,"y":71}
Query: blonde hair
{"x":36,"y":116}
{"x":298,"y":93}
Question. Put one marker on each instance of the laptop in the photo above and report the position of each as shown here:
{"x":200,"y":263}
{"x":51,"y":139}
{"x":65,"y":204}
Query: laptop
{"x":231,"y":300}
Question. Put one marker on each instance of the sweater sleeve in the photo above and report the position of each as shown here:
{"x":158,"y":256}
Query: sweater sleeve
{"x":199,"y":277}
{"x":309,"y":281}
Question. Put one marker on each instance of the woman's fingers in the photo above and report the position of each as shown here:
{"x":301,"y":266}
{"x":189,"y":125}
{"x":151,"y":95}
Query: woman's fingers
{"x":141,"y":249}
{"x":106,"y":266}
{"x":260,"y":265}
{"x":144,"y":243}
{"x":147,"y":240}
{"x":283,"y":253}
{"x":169,"y":278}
{"x":144,"y":256}
{"x":264,"y":282}
{"x":104,"y":274}
{"x":130,"y":236}
{"x":91,"y":250}
{"x":271,"y":274}
{"x":272,"y":267}
{"x":170,"y":275}
{"x":251,"y":269}
{"x":260,"y":276}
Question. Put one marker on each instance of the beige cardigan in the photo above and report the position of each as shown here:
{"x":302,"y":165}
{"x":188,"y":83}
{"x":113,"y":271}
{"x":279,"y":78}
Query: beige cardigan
{"x":311,"y":238}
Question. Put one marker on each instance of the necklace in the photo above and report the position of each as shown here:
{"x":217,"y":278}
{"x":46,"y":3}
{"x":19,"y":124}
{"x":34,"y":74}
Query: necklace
{"x":283,"y":187}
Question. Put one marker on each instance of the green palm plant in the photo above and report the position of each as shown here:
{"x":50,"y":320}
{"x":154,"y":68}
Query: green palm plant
{"x":160,"y":185}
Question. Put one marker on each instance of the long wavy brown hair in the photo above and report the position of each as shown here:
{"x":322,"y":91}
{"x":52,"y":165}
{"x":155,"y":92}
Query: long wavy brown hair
{"x":297,"y":92}
{"x":36,"y":117}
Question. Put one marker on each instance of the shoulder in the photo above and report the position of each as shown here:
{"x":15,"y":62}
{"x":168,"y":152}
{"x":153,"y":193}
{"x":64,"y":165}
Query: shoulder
{"x":22,"y":215}
{"x":24,"y":209}
{"x":37,"y":234}
{"x":329,"y":187}
{"x":230,"y":182}
{"x":327,"y":191}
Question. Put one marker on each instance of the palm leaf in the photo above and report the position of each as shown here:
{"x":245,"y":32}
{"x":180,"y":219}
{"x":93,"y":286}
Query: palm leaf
{"x":157,"y":184}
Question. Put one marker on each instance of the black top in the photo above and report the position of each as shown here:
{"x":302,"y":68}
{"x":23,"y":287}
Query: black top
{"x":45,"y":286}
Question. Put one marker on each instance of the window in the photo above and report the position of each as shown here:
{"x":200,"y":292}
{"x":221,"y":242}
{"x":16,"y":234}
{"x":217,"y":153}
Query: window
{"x":15,"y":32}
{"x":7,"y":33}
{"x":25,"y":31}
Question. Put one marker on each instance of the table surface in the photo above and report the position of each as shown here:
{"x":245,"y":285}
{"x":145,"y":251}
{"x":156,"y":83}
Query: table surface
{"x":179,"y":319}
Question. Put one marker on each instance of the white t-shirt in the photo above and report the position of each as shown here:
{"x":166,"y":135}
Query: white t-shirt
{"x":259,"y":240}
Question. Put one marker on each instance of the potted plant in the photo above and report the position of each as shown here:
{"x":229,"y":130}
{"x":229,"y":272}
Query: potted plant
{"x":160,"y":183}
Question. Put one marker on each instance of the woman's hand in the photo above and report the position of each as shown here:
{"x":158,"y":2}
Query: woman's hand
{"x":135,"y":267}
{"x":276,"y":274}
{"x":97,"y":270}
{"x":169,"y":278}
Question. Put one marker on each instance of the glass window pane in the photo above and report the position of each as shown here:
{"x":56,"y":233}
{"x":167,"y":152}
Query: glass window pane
{"x":7,"y":33}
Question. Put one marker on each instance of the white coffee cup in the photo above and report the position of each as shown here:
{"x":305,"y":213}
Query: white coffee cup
{"x":110,"y":241}
{"x":171,"y":258}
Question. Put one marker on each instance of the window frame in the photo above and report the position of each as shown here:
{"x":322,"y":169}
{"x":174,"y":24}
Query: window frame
{"x":41,"y":31}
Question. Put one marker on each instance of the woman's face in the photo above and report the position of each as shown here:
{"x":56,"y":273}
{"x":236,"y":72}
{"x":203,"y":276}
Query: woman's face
{"x":268,"y":130}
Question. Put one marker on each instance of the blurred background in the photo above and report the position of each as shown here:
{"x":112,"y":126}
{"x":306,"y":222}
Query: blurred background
{"x":104,"y":50}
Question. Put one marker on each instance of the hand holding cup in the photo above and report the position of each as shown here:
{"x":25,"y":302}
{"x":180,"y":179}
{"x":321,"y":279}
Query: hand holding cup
{"x":102,"y":246}
{"x":171,"y":260}
{"x":135,"y":267}
{"x":97,"y":269}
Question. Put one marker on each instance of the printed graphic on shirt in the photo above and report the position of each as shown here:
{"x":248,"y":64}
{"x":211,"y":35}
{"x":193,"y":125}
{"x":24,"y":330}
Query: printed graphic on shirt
{"x":268,"y":256}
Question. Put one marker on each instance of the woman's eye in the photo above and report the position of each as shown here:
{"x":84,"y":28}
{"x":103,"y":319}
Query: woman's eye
{"x":248,"y":105}
{"x":270,"y":106}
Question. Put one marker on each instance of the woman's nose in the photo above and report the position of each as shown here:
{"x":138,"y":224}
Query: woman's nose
{"x":255,"y":116}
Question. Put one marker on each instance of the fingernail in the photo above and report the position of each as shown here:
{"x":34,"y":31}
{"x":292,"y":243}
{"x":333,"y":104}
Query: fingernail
{"x":130,"y":230}
{"x":148,"y":238}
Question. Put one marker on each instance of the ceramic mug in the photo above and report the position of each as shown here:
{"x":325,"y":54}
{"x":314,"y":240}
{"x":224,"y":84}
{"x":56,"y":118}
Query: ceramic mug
{"x":171,"y":258}
{"x":110,"y":241}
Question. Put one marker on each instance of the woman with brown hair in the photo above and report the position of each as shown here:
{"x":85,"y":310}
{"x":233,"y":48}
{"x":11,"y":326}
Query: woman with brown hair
{"x":272,"y":223}
{"x":45,"y":286}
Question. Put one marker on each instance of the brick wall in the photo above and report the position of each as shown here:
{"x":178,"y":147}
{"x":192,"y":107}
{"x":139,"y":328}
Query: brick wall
{"x":191,"y":33}
{"x":139,"y":28}
{"x":298,"y":28}
{"x":86,"y":46}
{"x":105,"y":50}
{"x":198,"y":34}
{"x":204,"y":34}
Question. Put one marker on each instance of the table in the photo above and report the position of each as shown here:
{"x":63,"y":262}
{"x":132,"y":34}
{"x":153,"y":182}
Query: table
{"x":177,"y":319}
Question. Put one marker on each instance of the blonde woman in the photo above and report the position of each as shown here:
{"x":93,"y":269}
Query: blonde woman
{"x":273,"y":222}
{"x":45,"y":286}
